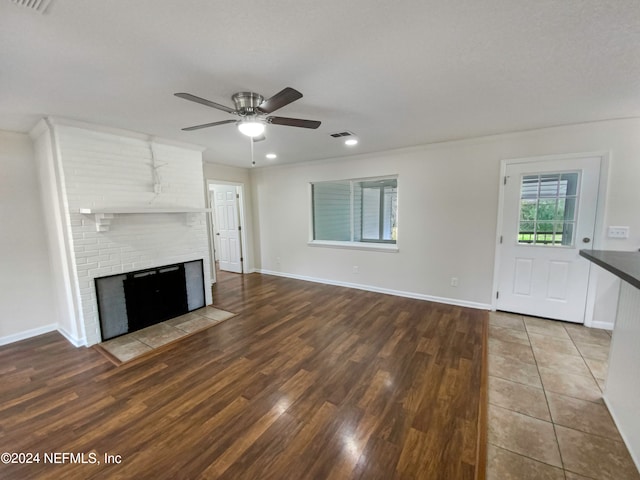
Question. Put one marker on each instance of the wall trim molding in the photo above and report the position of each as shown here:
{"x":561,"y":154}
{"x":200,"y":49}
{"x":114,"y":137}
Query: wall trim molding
{"x":370,"y":288}
{"x":430,"y":146}
{"x":76,"y":342}
{"x":33,"y":332}
{"x":602,"y":325}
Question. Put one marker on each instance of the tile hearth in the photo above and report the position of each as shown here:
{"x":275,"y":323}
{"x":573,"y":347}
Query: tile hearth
{"x":135,"y":344}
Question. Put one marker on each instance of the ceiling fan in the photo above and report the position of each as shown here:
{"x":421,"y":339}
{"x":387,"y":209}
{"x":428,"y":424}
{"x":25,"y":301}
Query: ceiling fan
{"x":253,"y":111}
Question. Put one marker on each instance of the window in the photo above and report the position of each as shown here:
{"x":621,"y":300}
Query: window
{"x":357,"y":211}
{"x":548,"y":209}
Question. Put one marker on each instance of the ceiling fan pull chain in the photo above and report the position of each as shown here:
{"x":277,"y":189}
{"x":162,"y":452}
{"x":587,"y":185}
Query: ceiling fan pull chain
{"x":253,"y":162}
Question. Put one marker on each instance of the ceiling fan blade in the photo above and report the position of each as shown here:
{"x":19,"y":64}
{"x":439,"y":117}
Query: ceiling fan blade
{"x":203,"y":101}
{"x":259,"y":139}
{"x":279,"y":100}
{"x":294,"y":122}
{"x":206,"y":125}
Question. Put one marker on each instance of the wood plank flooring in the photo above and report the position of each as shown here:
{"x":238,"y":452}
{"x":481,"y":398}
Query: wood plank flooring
{"x":308,"y":381}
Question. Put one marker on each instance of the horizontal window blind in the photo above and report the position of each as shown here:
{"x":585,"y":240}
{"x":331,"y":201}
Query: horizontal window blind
{"x":332,"y":211}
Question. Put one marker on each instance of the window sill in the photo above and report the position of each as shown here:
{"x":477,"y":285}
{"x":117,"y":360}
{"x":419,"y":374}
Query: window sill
{"x":375,"y":247}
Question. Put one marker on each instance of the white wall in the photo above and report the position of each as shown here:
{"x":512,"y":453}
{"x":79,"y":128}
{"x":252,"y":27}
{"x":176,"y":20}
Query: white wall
{"x":448,"y":200}
{"x":441,"y":223}
{"x":26,"y":299}
{"x":227,"y":173}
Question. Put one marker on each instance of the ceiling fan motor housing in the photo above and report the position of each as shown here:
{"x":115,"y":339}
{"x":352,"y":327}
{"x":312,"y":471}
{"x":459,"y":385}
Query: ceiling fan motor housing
{"x":247,"y":102}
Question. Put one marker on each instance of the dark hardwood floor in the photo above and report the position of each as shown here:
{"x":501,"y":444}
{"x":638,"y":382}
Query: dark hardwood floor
{"x":309,"y":381}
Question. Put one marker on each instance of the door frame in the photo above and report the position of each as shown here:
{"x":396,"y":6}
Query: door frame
{"x":242,"y":222}
{"x":599,"y":236}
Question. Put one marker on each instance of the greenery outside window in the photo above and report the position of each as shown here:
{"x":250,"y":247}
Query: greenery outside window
{"x":355,"y":211}
{"x":548,"y":209}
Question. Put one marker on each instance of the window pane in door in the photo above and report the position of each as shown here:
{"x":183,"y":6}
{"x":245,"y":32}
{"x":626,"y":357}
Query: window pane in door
{"x":567,"y":233}
{"x":560,"y":209}
{"x":548,"y":209}
{"x":549,"y":185}
{"x":530,"y":187}
{"x":569,"y":212}
{"x":527,"y":232}
{"x":569,"y":184}
{"x":528,"y":209}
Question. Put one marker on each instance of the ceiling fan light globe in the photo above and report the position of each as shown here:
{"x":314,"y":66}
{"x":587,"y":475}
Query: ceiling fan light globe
{"x":251,"y":128}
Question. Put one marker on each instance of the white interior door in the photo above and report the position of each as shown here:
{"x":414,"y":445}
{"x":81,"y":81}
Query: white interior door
{"x":227,"y":231}
{"x":549,"y":211}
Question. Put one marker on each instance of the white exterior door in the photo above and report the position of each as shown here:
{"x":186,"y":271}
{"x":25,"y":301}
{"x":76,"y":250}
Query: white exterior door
{"x":228,"y":233}
{"x":549,"y":211}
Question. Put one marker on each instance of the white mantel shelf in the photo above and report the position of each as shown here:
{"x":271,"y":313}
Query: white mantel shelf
{"x":125,"y":210}
{"x":104,"y":216}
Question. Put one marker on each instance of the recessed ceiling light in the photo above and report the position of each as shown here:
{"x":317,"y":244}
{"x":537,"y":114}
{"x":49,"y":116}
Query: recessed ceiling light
{"x":351,"y":142}
{"x":271,"y":156}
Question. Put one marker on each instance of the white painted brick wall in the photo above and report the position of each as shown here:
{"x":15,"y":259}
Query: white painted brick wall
{"x":104,"y":170}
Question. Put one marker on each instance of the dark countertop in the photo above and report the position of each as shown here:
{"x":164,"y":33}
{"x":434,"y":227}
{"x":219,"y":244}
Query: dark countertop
{"x":625,"y":265}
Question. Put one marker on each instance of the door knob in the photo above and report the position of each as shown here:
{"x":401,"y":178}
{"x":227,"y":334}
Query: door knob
{"x":218,"y":233}
{"x":586,"y":240}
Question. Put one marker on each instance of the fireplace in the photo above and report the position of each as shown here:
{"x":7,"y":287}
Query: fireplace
{"x":118,"y":202}
{"x":136,"y":300}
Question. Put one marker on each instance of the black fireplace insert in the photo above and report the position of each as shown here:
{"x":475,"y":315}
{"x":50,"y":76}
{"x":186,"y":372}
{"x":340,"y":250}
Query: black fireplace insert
{"x":136,"y":300}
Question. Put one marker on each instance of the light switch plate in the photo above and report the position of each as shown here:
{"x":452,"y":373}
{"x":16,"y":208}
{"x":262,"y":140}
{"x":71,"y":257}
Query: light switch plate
{"x":618,"y":232}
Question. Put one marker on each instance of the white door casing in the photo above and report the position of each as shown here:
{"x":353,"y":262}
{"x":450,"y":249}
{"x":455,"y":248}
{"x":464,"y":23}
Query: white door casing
{"x":213,"y":238}
{"x":227,"y":230}
{"x":547,"y":280}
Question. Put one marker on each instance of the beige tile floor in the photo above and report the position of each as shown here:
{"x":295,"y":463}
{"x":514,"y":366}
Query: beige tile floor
{"x":547,"y":420}
{"x":130,"y":346}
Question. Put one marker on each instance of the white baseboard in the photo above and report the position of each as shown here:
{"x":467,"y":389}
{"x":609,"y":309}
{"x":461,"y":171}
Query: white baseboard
{"x":369,"y":288}
{"x":34,"y":332}
{"x":76,"y":342}
{"x":16,"y":337}
{"x":602,"y":325}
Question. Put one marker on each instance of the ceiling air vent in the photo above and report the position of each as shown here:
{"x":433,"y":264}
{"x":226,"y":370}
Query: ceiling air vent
{"x":39,"y":6}
{"x":341,"y":134}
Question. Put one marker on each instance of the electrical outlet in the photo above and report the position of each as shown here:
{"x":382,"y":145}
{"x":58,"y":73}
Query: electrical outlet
{"x":356,"y":269}
{"x":454,"y":281}
{"x":618,"y":232}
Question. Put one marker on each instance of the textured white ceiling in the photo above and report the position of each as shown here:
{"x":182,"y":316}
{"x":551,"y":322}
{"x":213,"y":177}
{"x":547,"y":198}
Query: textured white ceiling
{"x":397,"y":73}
